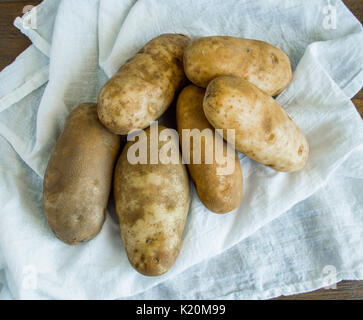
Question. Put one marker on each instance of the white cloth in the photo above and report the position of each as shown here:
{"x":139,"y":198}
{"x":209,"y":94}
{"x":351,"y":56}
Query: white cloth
{"x":245,"y":254}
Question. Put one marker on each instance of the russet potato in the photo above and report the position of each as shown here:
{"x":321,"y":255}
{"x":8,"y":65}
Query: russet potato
{"x":220,"y":193}
{"x":152,"y":204}
{"x":262,"y":64}
{"x":263,"y":130}
{"x":78,"y":178}
{"x":145,"y":86}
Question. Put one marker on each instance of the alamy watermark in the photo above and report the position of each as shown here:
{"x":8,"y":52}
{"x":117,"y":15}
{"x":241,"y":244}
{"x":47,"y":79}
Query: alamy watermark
{"x":330,"y":17}
{"x":198,"y":147}
{"x":330,"y":277}
{"x":29,"y":18}
{"x":30,"y":278}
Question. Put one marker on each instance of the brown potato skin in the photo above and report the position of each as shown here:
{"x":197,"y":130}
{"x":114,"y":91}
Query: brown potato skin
{"x":152,"y":204}
{"x":263,"y":130}
{"x":219,"y":193}
{"x":145,"y":86}
{"x":262,"y":64}
{"x":78,"y":178}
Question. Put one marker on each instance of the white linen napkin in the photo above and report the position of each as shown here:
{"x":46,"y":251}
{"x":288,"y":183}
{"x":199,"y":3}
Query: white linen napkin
{"x":77,"y":44}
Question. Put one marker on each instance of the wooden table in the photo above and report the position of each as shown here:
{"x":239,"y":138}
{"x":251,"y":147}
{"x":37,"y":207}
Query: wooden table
{"x":12,"y":42}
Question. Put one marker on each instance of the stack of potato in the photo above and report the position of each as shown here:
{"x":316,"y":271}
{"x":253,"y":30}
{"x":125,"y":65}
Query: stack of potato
{"x":233,"y":83}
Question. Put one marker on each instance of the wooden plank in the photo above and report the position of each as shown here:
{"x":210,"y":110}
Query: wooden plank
{"x":12,"y":41}
{"x":359,"y":95}
{"x":359,"y":105}
{"x":346,"y":290}
{"x":356,"y":6}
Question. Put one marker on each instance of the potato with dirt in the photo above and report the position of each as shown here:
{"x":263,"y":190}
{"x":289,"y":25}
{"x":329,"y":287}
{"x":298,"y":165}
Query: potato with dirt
{"x":219,"y":192}
{"x":78,"y":177}
{"x":263,"y":130}
{"x":145,"y":86}
{"x":262,"y":64}
{"x":152,"y":203}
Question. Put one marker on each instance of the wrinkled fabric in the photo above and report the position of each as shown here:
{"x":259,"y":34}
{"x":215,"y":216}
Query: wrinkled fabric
{"x":292,"y":232}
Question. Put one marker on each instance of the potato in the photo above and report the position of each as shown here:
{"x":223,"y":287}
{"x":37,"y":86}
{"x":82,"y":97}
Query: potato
{"x":262,"y":64}
{"x":152,"y":203}
{"x":263,"y":130}
{"x":78,"y":178}
{"x":145,"y":86}
{"x":220,"y":193}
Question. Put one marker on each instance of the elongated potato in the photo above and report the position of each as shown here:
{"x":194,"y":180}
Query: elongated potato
{"x":152,"y":203}
{"x":220,"y":193}
{"x":78,"y":178}
{"x":262,"y":64}
{"x":145,"y":86}
{"x":263,"y":130}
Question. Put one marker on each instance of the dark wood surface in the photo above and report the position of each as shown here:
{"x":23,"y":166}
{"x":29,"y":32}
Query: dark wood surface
{"x":12,"y":43}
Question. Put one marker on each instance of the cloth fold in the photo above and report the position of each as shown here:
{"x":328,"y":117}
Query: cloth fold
{"x":77,"y":45}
